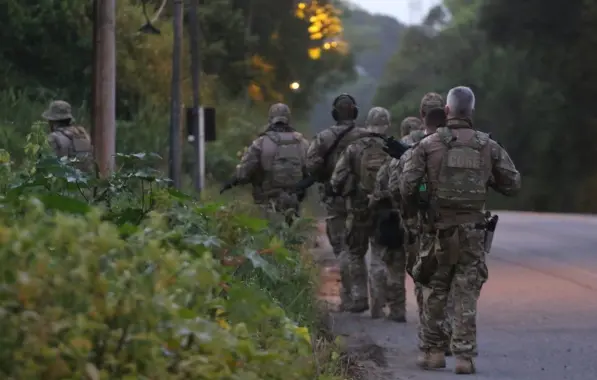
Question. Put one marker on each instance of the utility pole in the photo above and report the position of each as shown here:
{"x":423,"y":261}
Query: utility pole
{"x":196,"y":110}
{"x":175,"y":115}
{"x":104,"y":85}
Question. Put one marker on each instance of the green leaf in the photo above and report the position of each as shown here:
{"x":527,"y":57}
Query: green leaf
{"x":259,"y":262}
{"x":175,"y":193}
{"x":63,"y":203}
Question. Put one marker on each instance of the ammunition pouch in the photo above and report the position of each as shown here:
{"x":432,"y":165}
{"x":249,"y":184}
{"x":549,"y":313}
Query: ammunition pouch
{"x":449,"y":245}
{"x":424,"y":268}
{"x":388,"y":229}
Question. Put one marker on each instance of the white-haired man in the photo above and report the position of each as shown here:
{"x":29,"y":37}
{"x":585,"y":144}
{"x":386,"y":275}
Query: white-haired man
{"x":460,"y":163}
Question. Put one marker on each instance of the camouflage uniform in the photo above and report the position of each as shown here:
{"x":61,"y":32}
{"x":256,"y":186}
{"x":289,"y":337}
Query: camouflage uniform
{"x":457,"y":208}
{"x":67,"y":139}
{"x":273,"y":184}
{"x":349,"y":179}
{"x":387,"y":267}
{"x":335,"y":205}
{"x":417,"y":237}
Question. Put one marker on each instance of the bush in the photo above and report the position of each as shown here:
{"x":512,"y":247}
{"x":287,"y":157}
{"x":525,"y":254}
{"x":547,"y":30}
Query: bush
{"x":125,"y":278}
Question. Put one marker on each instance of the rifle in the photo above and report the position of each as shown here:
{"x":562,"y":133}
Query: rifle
{"x":229,"y":185}
{"x":490,"y":225}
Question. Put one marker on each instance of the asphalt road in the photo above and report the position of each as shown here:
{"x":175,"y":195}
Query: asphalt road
{"x":538,"y":310}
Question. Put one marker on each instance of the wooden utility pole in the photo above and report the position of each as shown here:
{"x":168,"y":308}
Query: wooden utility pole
{"x":104,"y":85}
{"x":176,"y":95}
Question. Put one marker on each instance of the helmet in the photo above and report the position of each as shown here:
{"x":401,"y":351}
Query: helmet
{"x":378,"y":116}
{"x":279,"y":113}
{"x":345,"y":107}
{"x":410,"y":124}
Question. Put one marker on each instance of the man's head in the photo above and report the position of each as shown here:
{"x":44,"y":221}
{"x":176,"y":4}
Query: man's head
{"x":344,"y":108}
{"x":58,"y":113}
{"x":378,"y":119}
{"x":430,"y":101}
{"x":460,"y":102}
{"x":279,"y":113}
{"x":410,"y":124}
{"x":434,"y":119}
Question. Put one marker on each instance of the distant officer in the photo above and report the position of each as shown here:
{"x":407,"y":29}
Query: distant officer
{"x":273,"y":163}
{"x":66,"y":138}
{"x":411,"y":126}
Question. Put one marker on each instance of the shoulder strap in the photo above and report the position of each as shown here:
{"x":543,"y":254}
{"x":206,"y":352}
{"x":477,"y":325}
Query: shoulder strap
{"x":336,"y":142}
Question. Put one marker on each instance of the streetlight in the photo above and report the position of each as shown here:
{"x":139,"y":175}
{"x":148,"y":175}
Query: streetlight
{"x":294,"y":86}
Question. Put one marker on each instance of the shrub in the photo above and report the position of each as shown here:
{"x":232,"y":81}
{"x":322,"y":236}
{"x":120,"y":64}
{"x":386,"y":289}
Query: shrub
{"x":125,"y":278}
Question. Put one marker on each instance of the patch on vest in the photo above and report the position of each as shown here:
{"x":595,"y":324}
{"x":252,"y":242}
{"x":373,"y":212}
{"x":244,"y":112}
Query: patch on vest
{"x":464,"y":159}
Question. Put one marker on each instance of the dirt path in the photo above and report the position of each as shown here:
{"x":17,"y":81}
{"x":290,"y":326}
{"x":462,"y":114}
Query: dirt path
{"x":373,"y":342}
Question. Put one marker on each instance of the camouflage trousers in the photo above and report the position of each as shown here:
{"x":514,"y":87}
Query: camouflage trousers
{"x":335,"y":225}
{"x":283,"y":208}
{"x":387,"y":280}
{"x":427,"y":241}
{"x":358,"y":234}
{"x":462,"y":272}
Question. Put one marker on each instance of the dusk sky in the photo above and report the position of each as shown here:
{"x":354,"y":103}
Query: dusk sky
{"x":398,"y":8}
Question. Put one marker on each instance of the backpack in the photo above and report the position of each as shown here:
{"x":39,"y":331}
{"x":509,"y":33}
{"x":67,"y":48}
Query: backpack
{"x":372,"y":159}
{"x":79,"y":146}
{"x":288,"y":160}
{"x":462,"y":181}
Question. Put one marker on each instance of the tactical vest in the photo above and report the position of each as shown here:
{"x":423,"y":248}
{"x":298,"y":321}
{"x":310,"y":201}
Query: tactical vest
{"x":78,"y":145}
{"x":346,"y":140}
{"x":372,"y":158}
{"x":283,"y":160}
{"x":462,"y":180}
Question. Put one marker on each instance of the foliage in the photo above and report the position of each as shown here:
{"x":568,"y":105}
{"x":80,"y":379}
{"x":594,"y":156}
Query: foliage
{"x":125,"y":278}
{"x":57,"y":38}
{"x":372,"y":39}
{"x":528,"y":65}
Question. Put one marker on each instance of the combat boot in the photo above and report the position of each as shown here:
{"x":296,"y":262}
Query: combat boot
{"x":397,"y":315}
{"x":464,"y":366}
{"x":432,"y":360}
{"x":358,"y":306}
{"x":376,"y":308}
{"x":345,"y":300}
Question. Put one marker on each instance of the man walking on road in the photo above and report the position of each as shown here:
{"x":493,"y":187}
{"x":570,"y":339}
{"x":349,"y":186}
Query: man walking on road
{"x":460,"y":163}
{"x":322,"y":156}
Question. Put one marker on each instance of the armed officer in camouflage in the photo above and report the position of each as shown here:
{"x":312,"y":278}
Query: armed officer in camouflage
{"x":66,"y":138}
{"x":460,"y":163}
{"x":273,"y":164}
{"x":322,"y":157}
{"x":413,"y":212}
{"x":388,"y":258}
{"x":354,"y":177}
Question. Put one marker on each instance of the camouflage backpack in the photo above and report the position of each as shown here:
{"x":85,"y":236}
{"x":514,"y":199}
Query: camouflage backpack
{"x":462,"y":182}
{"x":372,"y":158}
{"x":76,"y":143}
{"x":285,"y":168}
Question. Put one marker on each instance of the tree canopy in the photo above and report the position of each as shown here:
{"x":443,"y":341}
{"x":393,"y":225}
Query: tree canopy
{"x":255,"y":48}
{"x":533,"y":71}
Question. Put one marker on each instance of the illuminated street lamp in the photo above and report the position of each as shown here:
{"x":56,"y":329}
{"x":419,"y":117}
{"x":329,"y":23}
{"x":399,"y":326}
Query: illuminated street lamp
{"x":294,"y":86}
